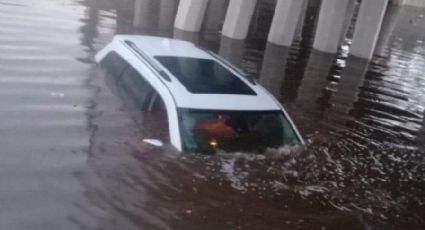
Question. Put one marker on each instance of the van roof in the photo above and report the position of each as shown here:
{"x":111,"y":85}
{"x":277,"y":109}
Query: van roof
{"x":191,"y":82}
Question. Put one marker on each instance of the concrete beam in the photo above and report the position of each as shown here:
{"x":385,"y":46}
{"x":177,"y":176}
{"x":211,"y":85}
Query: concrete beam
{"x":190,"y":15}
{"x":368,"y":27}
{"x":285,"y":21}
{"x":330,"y":26}
{"x":238,"y":18}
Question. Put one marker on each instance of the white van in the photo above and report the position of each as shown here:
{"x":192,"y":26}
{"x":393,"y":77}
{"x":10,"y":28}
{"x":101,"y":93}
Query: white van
{"x":210,"y":104}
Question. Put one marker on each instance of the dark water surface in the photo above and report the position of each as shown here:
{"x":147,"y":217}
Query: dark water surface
{"x":71,"y":150}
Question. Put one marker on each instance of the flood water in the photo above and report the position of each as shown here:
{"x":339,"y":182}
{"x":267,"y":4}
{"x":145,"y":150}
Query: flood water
{"x":72,"y":156}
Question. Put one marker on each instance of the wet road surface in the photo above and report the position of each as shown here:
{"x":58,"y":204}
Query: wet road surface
{"x":72,"y":156}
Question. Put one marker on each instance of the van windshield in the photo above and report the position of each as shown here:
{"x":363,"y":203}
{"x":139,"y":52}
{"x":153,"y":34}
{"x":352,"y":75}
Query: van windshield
{"x":212,"y":130}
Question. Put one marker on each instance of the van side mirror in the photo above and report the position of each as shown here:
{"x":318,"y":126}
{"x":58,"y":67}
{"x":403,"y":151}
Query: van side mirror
{"x":154,"y":142}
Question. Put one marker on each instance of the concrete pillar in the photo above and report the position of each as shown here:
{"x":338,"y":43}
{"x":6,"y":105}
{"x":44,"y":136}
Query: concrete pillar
{"x":232,"y":50}
{"x":285,"y":21}
{"x":368,"y":27}
{"x":238,"y":18}
{"x":387,"y":31}
{"x":273,"y":68}
{"x":330,"y":25}
{"x":167,"y":15}
{"x":216,"y":12}
{"x":190,"y":15}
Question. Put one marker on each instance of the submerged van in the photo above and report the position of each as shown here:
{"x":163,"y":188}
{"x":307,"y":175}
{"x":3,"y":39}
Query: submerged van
{"x":210,"y":104}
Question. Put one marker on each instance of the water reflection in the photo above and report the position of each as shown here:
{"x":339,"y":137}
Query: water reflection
{"x":314,"y":82}
{"x":232,"y":50}
{"x":186,"y":36}
{"x":89,"y":30}
{"x":124,"y":16}
{"x":167,"y":12}
{"x":421,"y":133}
{"x":368,"y":117}
{"x":214,"y":17}
{"x":273,"y":68}
{"x":347,"y":89}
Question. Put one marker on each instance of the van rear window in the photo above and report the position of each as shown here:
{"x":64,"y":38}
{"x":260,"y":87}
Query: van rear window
{"x":204,"y":76}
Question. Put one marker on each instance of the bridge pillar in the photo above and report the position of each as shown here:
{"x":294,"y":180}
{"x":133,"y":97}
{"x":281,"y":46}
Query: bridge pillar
{"x":190,"y":15}
{"x":368,"y":27}
{"x":285,"y":21}
{"x":238,"y":18}
{"x":330,"y":26}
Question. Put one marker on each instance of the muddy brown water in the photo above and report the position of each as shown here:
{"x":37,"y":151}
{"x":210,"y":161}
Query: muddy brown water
{"x":71,"y":151}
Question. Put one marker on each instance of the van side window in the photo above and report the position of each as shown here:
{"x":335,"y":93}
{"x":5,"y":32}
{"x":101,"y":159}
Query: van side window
{"x":137,"y":88}
{"x":114,"y":64}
